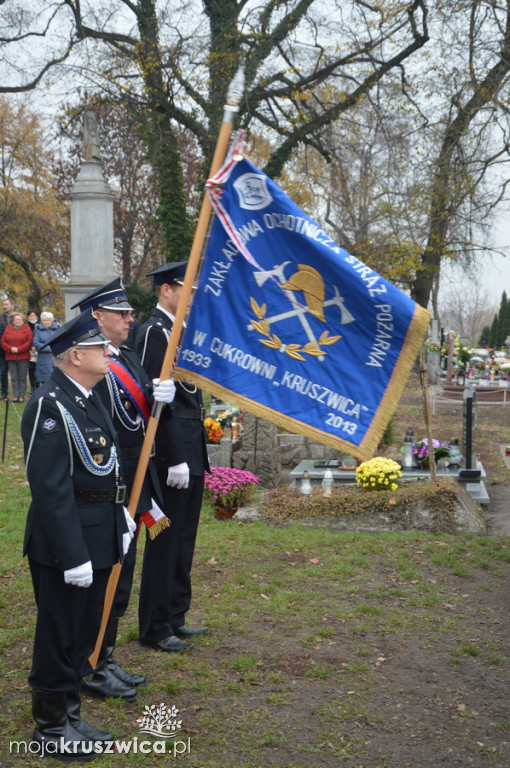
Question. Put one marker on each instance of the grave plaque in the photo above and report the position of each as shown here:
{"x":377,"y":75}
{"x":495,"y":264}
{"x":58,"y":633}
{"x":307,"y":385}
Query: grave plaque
{"x":468,"y":427}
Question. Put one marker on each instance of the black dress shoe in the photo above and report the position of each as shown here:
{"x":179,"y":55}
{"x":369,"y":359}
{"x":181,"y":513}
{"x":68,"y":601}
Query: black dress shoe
{"x":126,"y":677}
{"x":190,"y":631}
{"x":169,"y":644}
{"x":103,"y":683}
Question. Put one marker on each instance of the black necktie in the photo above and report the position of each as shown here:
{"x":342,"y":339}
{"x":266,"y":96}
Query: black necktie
{"x":94,"y":400}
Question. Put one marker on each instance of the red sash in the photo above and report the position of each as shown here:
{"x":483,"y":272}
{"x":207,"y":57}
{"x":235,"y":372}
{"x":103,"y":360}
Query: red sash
{"x":132,"y":388}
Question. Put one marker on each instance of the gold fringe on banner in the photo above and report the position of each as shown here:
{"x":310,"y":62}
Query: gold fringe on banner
{"x":414,"y":339}
{"x":158,"y":527}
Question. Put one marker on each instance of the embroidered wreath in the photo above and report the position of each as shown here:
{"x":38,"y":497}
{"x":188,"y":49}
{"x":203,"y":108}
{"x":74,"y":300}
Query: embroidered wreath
{"x":296,"y":351}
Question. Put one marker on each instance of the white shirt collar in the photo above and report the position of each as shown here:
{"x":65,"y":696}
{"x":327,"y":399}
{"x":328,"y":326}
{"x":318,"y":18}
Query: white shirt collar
{"x":82,"y":389}
{"x":166,"y":312}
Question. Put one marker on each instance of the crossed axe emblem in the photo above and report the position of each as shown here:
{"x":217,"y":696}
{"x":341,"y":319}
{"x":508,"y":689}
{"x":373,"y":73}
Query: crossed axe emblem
{"x":314,"y":305}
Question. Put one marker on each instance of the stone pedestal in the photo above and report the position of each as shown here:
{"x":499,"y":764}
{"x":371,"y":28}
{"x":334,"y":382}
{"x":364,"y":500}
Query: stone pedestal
{"x":91,"y":234}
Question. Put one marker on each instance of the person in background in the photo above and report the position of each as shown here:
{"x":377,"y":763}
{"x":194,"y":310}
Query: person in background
{"x":32,"y":319}
{"x":44,"y":330}
{"x":5,"y":319}
{"x":181,"y":461}
{"x":17,"y":342}
{"x":77,"y":529}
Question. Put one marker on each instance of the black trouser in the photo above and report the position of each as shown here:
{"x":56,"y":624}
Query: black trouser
{"x":125,"y":583}
{"x":68,"y":622}
{"x":31,"y":376}
{"x":165,"y":589}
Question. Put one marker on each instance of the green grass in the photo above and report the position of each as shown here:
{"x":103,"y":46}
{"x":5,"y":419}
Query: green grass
{"x":316,"y":638}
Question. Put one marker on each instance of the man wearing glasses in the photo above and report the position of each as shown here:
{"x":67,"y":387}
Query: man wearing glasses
{"x":77,"y":528}
{"x":127,"y":393}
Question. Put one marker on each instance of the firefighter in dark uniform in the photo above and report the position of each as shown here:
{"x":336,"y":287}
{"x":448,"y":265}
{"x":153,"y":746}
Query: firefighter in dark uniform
{"x":77,"y":528}
{"x":181,"y":461}
{"x":127,"y":393}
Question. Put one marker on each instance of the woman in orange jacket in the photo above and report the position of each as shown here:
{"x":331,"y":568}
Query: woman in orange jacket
{"x":17,"y":342}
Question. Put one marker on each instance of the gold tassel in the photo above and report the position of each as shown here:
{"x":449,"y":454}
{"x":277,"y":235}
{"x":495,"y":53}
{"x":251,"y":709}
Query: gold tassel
{"x":158,"y":527}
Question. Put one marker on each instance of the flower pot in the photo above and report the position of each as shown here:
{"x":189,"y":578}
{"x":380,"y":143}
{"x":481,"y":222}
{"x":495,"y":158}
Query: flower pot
{"x":224,"y":513}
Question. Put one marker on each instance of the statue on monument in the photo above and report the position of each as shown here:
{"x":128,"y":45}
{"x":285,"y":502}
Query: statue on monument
{"x":91,"y":149}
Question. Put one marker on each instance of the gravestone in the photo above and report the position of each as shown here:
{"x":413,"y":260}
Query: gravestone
{"x":468,"y":427}
{"x":434,"y":358}
{"x":471,"y":476}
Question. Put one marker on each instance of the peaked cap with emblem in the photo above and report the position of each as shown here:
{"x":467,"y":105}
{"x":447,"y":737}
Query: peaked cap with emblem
{"x":173,"y":272}
{"x":81,"y":330}
{"x":110,"y":296}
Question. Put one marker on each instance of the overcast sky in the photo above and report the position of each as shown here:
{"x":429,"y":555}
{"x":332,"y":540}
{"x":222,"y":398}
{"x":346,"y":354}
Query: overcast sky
{"x":492,"y":272}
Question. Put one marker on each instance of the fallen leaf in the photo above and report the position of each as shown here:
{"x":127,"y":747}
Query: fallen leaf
{"x":265,"y":597}
{"x":212,"y":561}
{"x":314,"y":560}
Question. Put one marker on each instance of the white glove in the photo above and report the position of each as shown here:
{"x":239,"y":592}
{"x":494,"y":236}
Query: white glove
{"x":164,"y":391}
{"x":81,"y":576}
{"x":178,"y":476}
{"x":128,"y":536}
{"x":130,"y":522}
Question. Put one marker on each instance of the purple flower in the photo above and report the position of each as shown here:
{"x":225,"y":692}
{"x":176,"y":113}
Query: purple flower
{"x":229,"y":487}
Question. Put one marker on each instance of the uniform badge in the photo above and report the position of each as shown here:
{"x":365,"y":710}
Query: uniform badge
{"x":102,"y":440}
{"x":127,"y":404}
{"x":49,"y":424}
{"x":98,"y":458}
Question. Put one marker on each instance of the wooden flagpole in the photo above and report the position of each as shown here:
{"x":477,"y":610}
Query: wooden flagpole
{"x":233,"y":98}
{"x":426,"y":410}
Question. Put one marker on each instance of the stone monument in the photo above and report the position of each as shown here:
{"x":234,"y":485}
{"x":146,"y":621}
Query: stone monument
{"x":258,"y":450}
{"x":91,"y":221}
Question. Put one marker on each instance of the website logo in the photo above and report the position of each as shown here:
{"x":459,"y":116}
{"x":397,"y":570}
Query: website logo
{"x":160,"y":721}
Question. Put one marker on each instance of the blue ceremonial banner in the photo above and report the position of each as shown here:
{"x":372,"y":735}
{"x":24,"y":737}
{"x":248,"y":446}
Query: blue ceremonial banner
{"x":292,"y":328}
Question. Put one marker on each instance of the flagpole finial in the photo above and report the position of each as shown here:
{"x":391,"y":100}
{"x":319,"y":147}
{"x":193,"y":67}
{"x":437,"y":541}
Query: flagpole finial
{"x":234,"y":95}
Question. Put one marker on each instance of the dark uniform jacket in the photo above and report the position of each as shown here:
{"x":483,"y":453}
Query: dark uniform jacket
{"x":73,"y":517}
{"x":181,"y":438}
{"x":130,"y":429}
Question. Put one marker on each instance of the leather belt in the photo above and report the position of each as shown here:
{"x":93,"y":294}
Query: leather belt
{"x":190,"y":413}
{"x":115,"y":495}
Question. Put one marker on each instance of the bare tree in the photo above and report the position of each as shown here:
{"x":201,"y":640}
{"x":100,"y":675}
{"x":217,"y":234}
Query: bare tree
{"x":415,"y":174}
{"x":467,"y":311}
{"x":173,"y":61}
{"x":467,"y":136}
